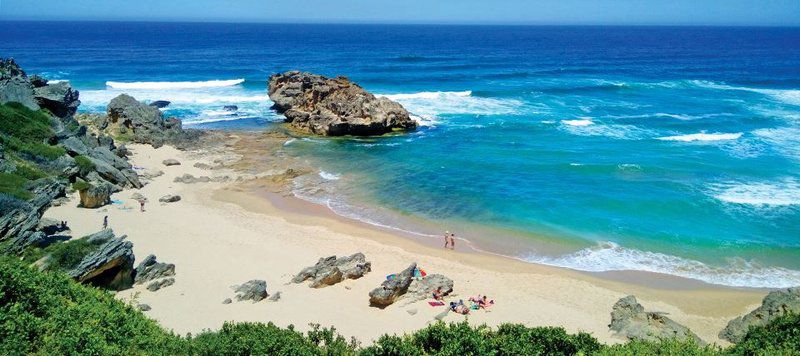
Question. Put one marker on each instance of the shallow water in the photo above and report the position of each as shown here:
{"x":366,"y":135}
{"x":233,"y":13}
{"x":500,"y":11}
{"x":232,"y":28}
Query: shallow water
{"x":673,"y":150}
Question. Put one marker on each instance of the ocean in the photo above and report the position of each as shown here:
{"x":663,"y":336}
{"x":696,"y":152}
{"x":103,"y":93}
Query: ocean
{"x":665,"y":149}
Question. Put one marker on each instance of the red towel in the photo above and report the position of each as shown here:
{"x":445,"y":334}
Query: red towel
{"x":436,"y":304}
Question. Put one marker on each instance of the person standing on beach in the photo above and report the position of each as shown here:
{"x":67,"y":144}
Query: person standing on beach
{"x":446,"y":239}
{"x":141,"y":204}
{"x":105,"y":222}
{"x":452,"y":241}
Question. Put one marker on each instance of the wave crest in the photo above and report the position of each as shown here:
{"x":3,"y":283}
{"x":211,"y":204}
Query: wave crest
{"x":174,"y":85}
{"x":702,"y":136}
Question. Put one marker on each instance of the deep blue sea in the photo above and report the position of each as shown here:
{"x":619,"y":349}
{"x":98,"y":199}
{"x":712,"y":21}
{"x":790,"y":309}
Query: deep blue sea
{"x":665,"y":149}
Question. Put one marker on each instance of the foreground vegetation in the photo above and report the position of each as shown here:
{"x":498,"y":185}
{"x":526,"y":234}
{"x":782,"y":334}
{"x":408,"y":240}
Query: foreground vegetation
{"x":48,"y":313}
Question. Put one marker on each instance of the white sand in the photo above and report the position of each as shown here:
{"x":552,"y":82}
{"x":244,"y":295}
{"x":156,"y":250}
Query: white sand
{"x":216,"y":244}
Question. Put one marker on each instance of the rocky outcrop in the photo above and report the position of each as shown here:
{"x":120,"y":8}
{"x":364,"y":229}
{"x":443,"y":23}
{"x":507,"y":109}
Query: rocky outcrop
{"x":424,"y":287}
{"x":334,"y":106}
{"x":95,"y":196}
{"x":160,"y":103}
{"x":775,"y":304}
{"x":331,"y":270}
{"x":19,"y":219}
{"x":255,"y":290}
{"x":150,"y":269}
{"x":110,"y":265}
{"x":15,"y":85}
{"x":393,"y":288}
{"x":170,"y":198}
{"x":59,"y":98}
{"x":630,"y":320}
{"x":159,"y":284}
{"x":190,"y":179}
{"x":145,"y":122}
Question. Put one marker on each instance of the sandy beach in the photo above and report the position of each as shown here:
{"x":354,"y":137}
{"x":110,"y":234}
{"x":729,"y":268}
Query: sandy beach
{"x":222,"y":234}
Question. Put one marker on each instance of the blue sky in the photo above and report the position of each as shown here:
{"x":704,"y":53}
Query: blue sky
{"x":619,"y":12}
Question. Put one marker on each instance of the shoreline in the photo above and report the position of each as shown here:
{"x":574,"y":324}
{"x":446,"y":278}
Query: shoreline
{"x":222,"y":234}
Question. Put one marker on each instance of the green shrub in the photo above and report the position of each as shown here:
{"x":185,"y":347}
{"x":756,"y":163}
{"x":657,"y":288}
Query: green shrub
{"x":779,"y":337}
{"x":252,"y":338}
{"x":25,"y":130}
{"x":84,"y":164}
{"x":80,"y":185}
{"x":14,"y":184}
{"x":48,"y":313}
{"x":663,"y":347}
{"x":66,"y":255}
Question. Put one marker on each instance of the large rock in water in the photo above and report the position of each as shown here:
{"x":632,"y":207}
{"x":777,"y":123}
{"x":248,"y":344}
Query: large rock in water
{"x":629,"y":319}
{"x":331,"y":270}
{"x":775,"y":304}
{"x":390,"y":289}
{"x":334,"y":106}
{"x":110,"y":265}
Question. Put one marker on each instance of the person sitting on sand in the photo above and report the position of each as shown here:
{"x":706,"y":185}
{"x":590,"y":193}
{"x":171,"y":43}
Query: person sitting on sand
{"x":438,"y":294}
{"x":485,"y":303}
{"x":459,"y":307}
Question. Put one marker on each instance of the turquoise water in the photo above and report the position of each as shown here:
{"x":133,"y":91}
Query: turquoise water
{"x":673,"y":150}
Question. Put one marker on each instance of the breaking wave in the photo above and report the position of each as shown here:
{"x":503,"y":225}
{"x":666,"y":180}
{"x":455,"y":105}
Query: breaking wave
{"x":702,"y":137}
{"x":174,"y":85}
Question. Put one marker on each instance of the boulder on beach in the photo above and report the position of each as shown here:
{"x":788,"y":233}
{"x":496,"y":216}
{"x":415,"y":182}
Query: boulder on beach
{"x":630,"y":320}
{"x":331,"y":270}
{"x":110,"y":265}
{"x":423,"y":288}
{"x":392,"y":288}
{"x":255,"y":290}
{"x":159,"y":284}
{"x":150,"y":269}
{"x":334,"y":106}
{"x":145,"y":122}
{"x":95,"y":195}
{"x":171,"y":162}
{"x":774,"y":305}
{"x":170,"y":198}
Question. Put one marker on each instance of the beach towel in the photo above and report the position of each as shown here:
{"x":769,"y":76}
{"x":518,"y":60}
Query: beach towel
{"x":436,"y":304}
{"x":116,"y":202}
{"x":391,"y":277}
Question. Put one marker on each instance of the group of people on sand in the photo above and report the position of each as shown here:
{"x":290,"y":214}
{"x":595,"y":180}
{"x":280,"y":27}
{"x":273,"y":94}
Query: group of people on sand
{"x":475,"y":303}
{"x":449,"y":240}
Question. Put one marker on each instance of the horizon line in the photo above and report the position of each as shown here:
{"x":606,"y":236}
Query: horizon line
{"x":391,"y":23}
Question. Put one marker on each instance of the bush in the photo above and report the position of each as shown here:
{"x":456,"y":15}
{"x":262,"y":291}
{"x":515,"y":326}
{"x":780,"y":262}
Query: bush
{"x":48,"y":313}
{"x":84,"y":164}
{"x":25,"y":130}
{"x":779,"y":337}
{"x":663,"y":347}
{"x":252,"y":338}
{"x":67,"y":255}
{"x":14,"y":184}
{"x":80,"y":185}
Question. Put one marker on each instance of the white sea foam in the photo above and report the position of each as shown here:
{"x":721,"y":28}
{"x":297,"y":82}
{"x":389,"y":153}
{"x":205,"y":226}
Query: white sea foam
{"x":785,"y":140}
{"x":174,"y":85}
{"x":702,"y":136}
{"x":429,"y":106}
{"x":788,"y":96}
{"x":782,"y":192}
{"x":581,"y":122}
{"x":329,"y":176}
{"x":608,"y":256}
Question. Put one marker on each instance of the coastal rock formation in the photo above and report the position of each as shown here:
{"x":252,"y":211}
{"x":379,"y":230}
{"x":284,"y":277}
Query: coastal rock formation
{"x":15,"y":86}
{"x":19,"y":219}
{"x":110,"y":265}
{"x":255,"y":290}
{"x":775,"y":304}
{"x":170,"y":198}
{"x":331,"y":270}
{"x":150,"y":269}
{"x":126,"y":115}
{"x":171,"y":162}
{"x":59,"y":98}
{"x":629,"y":319}
{"x":334,"y":106}
{"x":190,"y":179}
{"x":160,"y":103}
{"x":163,"y":283}
{"x":393,"y":288}
{"x":95,"y":196}
{"x":424,"y":287}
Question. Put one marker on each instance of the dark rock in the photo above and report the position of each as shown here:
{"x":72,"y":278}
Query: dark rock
{"x":334,"y":106}
{"x":18,"y":216}
{"x":109,"y":266}
{"x":160,"y":103}
{"x":227,"y":301}
{"x":171,"y":162}
{"x":74,"y":146}
{"x":37,"y":81}
{"x":59,"y":98}
{"x":163,"y":283}
{"x":51,"y":226}
{"x":97,"y":195}
{"x":230,"y":108}
{"x":331,"y":270}
{"x":630,"y":320}
{"x":424,"y":287}
{"x":255,"y":290}
{"x":15,"y":85}
{"x":150,"y":269}
{"x":774,"y":305}
{"x":144,"y":307}
{"x":391,"y":289}
{"x":145,"y":122}
{"x":170,"y":198}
